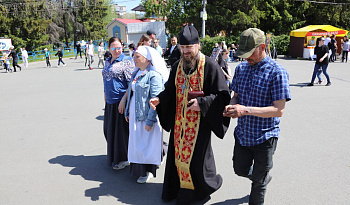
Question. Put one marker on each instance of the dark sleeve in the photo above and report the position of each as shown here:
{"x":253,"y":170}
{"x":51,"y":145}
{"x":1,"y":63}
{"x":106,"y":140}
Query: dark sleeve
{"x":166,"y":109}
{"x":167,"y":52}
{"x":216,"y":97}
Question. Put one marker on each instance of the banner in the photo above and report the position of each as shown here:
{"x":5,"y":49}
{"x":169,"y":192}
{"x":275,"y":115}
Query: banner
{"x":325,"y":33}
{"x":5,"y":44}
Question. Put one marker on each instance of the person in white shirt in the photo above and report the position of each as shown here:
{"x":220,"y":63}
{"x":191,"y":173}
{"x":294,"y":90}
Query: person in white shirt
{"x":101,"y":51}
{"x":90,"y":53}
{"x":25,"y":57}
{"x":346,"y":47}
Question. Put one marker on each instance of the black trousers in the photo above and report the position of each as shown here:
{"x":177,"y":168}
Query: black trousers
{"x":344,"y":56}
{"x":254,"y":163}
{"x":48,"y":62}
{"x":334,"y":55}
{"x":15,"y":64}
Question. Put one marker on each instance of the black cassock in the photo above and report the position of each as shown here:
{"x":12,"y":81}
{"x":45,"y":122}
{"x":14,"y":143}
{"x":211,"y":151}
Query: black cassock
{"x":202,"y":167}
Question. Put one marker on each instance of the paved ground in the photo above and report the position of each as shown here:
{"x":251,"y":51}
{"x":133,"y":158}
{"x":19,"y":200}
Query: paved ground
{"x":52,"y":148}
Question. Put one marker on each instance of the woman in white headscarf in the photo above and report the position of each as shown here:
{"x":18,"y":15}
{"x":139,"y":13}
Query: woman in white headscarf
{"x":145,"y":132}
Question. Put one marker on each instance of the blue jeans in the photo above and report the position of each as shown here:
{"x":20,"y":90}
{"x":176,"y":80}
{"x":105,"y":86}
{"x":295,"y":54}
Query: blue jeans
{"x":318,"y":73}
{"x":254,"y":163}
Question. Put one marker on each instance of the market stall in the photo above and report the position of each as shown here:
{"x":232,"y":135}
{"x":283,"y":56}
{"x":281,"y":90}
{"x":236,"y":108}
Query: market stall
{"x":298,"y":45}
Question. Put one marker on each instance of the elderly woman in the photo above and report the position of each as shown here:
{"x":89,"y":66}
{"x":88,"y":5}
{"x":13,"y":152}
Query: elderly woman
{"x":145,"y":138}
{"x":116,"y":77}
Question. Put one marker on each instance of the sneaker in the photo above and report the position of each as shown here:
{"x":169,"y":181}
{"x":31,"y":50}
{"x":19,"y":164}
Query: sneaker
{"x":328,"y":84}
{"x":310,"y":84}
{"x":58,"y":66}
{"x":64,"y":64}
{"x":90,"y":68}
{"x":320,"y":81}
{"x":142,"y":180}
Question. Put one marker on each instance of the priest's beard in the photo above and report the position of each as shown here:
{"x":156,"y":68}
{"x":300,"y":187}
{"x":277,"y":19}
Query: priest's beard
{"x":189,"y":63}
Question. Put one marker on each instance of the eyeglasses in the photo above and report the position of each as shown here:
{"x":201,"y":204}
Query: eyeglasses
{"x":322,"y":40}
{"x":116,"y":48}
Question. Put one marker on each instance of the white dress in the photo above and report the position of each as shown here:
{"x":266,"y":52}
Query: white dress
{"x":145,"y":147}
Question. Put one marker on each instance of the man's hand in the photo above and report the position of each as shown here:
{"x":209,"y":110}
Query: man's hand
{"x":235,"y":111}
{"x":127,"y":119}
{"x":154,"y":102}
{"x":194,"y":105}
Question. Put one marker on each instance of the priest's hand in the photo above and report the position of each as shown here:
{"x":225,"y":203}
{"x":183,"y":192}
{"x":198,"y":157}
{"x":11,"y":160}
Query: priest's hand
{"x":194,"y":105}
{"x":127,"y":119}
{"x":234,"y":111}
{"x":148,"y":128}
{"x":154,"y":102}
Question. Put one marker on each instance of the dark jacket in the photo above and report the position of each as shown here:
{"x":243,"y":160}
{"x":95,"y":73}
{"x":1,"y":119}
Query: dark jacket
{"x":59,"y":53}
{"x":174,"y":56}
{"x":13,"y":54}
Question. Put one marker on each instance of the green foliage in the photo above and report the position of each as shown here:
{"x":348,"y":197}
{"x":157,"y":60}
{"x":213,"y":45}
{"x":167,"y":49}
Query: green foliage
{"x":35,"y":24}
{"x":208,"y":43}
{"x":232,"y":17}
{"x":282,"y":44}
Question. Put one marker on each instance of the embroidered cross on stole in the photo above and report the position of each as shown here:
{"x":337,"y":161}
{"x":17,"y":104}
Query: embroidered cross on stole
{"x":186,"y":121}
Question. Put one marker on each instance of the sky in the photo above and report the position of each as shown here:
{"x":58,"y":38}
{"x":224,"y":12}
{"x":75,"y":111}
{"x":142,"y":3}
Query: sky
{"x":130,"y":4}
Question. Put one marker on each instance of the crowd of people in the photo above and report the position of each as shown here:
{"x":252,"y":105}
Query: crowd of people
{"x":142,"y":99}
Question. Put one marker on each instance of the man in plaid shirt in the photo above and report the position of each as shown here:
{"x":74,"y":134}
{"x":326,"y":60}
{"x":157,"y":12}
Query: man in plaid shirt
{"x":261,"y":90}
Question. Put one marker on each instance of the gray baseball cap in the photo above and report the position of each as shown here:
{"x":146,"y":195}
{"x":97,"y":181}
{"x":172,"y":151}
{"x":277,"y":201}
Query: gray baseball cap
{"x":248,"y":41}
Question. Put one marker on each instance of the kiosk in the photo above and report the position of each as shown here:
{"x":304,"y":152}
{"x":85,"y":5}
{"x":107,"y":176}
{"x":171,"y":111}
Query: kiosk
{"x":300,"y":37}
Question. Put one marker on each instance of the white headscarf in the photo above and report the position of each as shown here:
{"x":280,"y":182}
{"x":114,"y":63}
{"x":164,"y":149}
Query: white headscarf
{"x":157,"y":62}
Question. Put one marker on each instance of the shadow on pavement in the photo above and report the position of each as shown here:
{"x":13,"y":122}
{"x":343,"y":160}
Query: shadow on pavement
{"x":234,"y":201}
{"x":100,"y":117}
{"x":118,"y":184}
{"x":82,"y":69}
{"x":299,"y":85}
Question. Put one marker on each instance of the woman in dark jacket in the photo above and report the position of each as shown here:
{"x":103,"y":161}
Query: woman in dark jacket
{"x":13,"y":54}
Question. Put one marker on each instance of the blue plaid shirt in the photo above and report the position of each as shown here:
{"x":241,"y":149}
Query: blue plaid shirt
{"x":259,"y":86}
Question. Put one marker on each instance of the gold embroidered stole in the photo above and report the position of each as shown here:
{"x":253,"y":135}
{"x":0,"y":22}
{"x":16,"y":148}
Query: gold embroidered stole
{"x":186,"y":121}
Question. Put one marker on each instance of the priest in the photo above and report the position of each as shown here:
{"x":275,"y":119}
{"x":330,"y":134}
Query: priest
{"x":190,"y":107}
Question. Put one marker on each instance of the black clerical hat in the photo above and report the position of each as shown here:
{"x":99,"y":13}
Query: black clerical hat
{"x":150,"y":32}
{"x":188,"y":35}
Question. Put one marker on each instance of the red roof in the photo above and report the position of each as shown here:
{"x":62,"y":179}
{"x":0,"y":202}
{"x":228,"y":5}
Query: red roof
{"x":127,"y":21}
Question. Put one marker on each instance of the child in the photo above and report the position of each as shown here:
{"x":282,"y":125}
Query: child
{"x":7,"y":64}
{"x":47,"y":56}
{"x":60,"y":56}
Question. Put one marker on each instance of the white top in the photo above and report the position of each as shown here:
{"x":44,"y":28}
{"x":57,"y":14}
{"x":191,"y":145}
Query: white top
{"x":172,"y":49}
{"x":101,"y":51}
{"x":90,"y":49}
{"x":346,"y":46}
{"x":24,"y":53}
{"x":327,"y":40}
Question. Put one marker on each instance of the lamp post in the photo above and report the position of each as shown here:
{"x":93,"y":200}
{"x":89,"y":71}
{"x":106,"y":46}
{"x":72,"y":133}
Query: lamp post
{"x":204,"y":17}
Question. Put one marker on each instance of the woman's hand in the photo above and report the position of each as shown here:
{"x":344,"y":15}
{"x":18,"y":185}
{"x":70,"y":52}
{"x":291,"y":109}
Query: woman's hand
{"x":148,"y":128}
{"x":127,"y":119}
{"x":121,"y":107}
